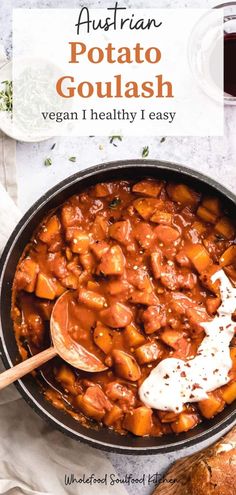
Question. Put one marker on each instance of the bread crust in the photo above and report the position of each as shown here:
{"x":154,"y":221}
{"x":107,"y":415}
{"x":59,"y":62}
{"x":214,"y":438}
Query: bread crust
{"x":210,"y":472}
{"x":214,"y":475}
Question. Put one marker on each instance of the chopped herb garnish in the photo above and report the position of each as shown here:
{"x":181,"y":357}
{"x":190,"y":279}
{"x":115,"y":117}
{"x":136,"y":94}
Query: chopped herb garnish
{"x":145,"y":152}
{"x":114,"y":203}
{"x":72,"y":159}
{"x":219,"y":238}
{"x":114,"y":138}
{"x":6,"y":97}
{"x":162,"y":139}
{"x":48,"y":162}
{"x":53,"y":146}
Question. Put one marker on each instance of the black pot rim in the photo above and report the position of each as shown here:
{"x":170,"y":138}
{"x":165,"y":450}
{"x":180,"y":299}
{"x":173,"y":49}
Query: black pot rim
{"x":222,"y":426}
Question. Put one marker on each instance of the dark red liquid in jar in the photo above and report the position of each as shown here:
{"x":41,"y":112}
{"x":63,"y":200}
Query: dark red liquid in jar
{"x":230,"y":64}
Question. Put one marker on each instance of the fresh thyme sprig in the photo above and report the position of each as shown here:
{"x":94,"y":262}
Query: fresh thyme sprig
{"x":145,"y":151}
{"x":6,"y":97}
{"x":48,"y":162}
{"x":114,"y":138}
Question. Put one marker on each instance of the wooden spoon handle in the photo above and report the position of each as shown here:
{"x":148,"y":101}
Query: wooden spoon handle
{"x":21,"y":369}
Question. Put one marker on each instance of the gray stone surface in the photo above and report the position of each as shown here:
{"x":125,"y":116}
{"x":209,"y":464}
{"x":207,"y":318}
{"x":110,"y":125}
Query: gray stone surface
{"x":215,"y":157}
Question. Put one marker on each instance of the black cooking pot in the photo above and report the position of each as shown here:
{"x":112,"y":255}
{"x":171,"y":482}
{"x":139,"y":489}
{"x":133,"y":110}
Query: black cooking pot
{"x":28,"y":387}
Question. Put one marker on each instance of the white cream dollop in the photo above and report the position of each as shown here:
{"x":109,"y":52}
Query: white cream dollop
{"x":173,"y":382}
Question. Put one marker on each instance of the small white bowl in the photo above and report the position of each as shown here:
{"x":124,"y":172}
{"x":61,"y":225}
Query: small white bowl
{"x":6,"y":124}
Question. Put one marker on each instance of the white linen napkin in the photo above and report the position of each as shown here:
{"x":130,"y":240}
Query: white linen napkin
{"x":34,"y":457}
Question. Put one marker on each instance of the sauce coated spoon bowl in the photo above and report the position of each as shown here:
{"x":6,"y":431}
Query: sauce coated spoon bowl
{"x":63,"y":345}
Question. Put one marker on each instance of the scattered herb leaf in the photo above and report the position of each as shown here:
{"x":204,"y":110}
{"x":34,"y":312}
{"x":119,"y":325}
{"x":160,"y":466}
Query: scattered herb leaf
{"x":48,"y":162}
{"x":219,"y":238}
{"x":114,"y":203}
{"x":72,"y":159}
{"x":6,"y":97}
{"x":162,"y":139}
{"x":53,"y":146}
{"x":114,"y":138}
{"x":145,"y":151}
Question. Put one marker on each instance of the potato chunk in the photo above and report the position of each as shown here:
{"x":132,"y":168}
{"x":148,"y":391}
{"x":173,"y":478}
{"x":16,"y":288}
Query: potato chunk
{"x":118,"y":392}
{"x":71,"y":216}
{"x":146,"y":206}
{"x":103,"y":189}
{"x":88,"y":262}
{"x":93,"y":403}
{"x":102,"y":337}
{"x":99,"y":248}
{"x":66,"y":376}
{"x":154,"y":318}
{"x":144,"y":235}
{"x":91,"y":299}
{"x":26,"y":275}
{"x":100,"y":228}
{"x":206,"y":215}
{"x":225,"y":227}
{"x":145,"y":298}
{"x":113,"y":415}
{"x":113,"y":262}
{"x":167,"y":416}
{"x":229,"y":256}
{"x":162,"y":217}
{"x":80,"y":241}
{"x":233,"y":357}
{"x":119,"y":286}
{"x":212,"y":204}
{"x":199,"y":257}
{"x":196,"y":316}
{"x":125,"y":365}
{"x":180,"y":193}
{"x":166,"y":234}
{"x":92,"y":285}
{"x":120,"y":231}
{"x":212,"y":304}
{"x":148,"y":353}
{"x":171,"y":337}
{"x":133,"y":337}
{"x":45,"y":287}
{"x":139,"y":421}
{"x":139,"y":278}
{"x":211,"y":406}
{"x":117,"y":315}
{"x":184,"y":422}
{"x":149,"y":187}
{"x":229,"y":392}
{"x":51,"y":229}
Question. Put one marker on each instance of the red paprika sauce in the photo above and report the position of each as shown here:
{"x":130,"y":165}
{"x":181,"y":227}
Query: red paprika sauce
{"x":139,"y":258}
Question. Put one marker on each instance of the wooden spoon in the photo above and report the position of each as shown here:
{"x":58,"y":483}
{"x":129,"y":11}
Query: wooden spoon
{"x":63,"y":346}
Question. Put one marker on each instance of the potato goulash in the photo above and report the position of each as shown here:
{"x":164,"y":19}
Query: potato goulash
{"x":152,"y":267}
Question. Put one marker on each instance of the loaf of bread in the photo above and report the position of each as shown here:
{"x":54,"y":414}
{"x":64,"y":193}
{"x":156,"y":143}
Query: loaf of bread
{"x":211,"y":472}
